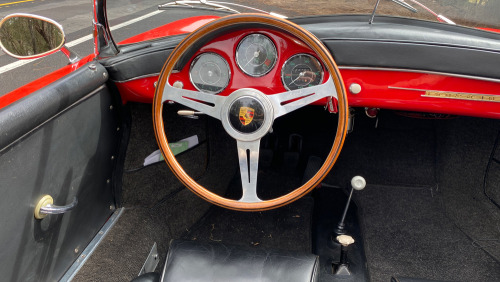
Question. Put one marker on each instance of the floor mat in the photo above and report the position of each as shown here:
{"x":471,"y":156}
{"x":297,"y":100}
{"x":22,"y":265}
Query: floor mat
{"x":407,"y":233}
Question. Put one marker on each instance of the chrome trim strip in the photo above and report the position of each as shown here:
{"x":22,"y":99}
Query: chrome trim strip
{"x":410,"y":89}
{"x":137,"y":77}
{"x":421,"y":71}
{"x":84,"y":256}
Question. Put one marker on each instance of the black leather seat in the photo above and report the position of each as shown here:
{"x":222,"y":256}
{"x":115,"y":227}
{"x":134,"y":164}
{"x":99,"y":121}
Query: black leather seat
{"x":213,"y":261}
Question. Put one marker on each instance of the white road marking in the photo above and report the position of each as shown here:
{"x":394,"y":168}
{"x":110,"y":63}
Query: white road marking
{"x":19,"y":63}
{"x":14,"y":65}
{"x":135,"y":20}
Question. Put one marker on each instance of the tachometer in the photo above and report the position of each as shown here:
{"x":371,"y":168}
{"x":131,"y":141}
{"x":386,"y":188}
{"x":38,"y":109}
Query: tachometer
{"x":209,"y":73}
{"x":256,"y":54}
{"x":301,"y":70}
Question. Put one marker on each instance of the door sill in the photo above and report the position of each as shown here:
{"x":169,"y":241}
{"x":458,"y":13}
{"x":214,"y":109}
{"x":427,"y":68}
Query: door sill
{"x":73,"y":270}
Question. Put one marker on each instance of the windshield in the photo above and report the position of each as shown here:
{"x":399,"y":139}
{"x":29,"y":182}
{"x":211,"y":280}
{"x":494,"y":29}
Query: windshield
{"x":472,"y":13}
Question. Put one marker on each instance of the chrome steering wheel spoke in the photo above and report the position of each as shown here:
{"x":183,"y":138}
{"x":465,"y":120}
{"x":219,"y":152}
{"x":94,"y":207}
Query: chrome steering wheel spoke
{"x":289,"y":101}
{"x":248,"y":155}
{"x":209,"y":104}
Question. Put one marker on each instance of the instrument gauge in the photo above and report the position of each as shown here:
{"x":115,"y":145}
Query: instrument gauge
{"x":300,"y":71}
{"x":209,"y":73}
{"x":256,"y":54}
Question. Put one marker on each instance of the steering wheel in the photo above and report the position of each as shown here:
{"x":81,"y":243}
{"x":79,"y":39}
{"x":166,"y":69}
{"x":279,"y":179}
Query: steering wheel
{"x":227,"y":108}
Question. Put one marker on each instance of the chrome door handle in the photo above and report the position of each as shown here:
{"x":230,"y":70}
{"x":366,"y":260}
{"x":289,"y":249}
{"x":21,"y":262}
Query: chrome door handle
{"x":46,"y":206}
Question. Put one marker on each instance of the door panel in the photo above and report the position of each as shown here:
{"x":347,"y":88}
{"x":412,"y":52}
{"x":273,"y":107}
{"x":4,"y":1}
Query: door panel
{"x":67,"y":148}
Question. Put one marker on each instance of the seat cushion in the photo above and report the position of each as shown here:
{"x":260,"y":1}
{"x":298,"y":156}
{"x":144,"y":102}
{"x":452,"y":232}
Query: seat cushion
{"x":215,"y":261}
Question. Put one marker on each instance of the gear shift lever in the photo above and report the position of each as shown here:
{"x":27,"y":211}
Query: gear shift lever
{"x":357,"y":183}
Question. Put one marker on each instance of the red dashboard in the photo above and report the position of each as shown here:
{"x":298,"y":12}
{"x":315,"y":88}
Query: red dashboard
{"x":226,"y":45}
{"x":379,"y":88}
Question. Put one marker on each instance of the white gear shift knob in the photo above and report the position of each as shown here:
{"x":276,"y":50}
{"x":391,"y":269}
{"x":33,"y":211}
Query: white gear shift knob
{"x":358,"y":183}
{"x":345,"y":240}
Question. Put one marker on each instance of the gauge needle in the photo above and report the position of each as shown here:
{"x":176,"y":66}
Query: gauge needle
{"x":300,"y":75}
{"x":255,"y":55}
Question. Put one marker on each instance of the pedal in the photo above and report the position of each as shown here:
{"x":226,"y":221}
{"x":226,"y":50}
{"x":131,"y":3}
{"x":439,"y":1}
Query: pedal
{"x":291,"y":158}
{"x":269,"y":146}
{"x":313,"y":165}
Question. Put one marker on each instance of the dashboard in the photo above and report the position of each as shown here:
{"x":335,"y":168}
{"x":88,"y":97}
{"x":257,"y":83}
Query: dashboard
{"x":267,"y":60}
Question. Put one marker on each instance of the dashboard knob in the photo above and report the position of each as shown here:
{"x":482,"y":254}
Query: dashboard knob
{"x":178,"y":84}
{"x":355,"y":88}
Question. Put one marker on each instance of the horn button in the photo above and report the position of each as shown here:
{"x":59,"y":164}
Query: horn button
{"x":249,"y":114}
{"x":246,"y":115}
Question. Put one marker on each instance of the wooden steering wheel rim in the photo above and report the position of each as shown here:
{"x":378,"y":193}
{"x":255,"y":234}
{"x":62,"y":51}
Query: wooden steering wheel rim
{"x":272,"y":22}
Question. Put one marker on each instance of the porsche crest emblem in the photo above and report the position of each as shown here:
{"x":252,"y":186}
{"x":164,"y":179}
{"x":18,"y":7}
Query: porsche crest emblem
{"x":246,"y":115}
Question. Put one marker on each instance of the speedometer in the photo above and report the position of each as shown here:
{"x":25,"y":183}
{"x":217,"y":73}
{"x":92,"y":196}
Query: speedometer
{"x":209,"y":73}
{"x":300,"y":71}
{"x":256,"y":54}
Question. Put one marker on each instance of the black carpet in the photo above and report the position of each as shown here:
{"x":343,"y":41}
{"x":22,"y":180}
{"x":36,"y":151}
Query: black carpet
{"x":465,"y":146}
{"x":286,"y":228}
{"x":408,"y":234}
{"x":389,"y":150}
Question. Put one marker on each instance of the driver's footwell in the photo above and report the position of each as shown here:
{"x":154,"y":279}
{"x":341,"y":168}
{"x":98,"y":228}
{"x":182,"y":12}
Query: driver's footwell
{"x":122,"y":253}
{"x":287,"y":228}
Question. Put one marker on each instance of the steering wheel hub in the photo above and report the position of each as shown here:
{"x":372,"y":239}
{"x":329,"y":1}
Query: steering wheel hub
{"x":247,"y":114}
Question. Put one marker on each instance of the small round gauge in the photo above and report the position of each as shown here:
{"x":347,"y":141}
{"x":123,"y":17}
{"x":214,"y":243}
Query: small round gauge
{"x":209,"y":73}
{"x":256,"y":54}
{"x":300,"y":71}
